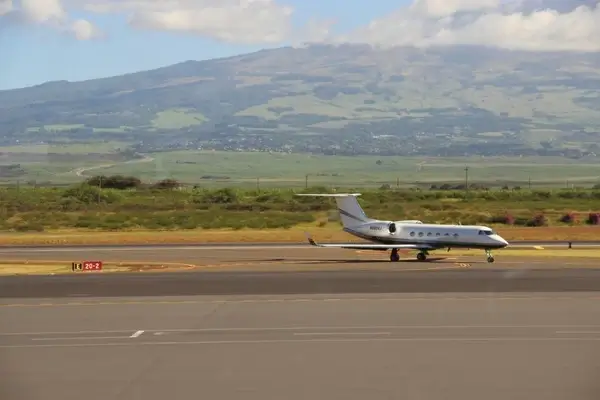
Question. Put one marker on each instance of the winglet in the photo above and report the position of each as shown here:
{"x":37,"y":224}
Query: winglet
{"x":310,"y":239}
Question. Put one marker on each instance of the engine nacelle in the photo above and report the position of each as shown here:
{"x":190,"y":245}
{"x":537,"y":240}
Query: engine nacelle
{"x":392,"y":227}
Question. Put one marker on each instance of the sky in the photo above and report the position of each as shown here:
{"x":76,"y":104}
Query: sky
{"x":47,"y":40}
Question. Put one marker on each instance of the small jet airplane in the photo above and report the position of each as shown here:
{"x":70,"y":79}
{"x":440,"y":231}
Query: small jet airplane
{"x":407,"y":234}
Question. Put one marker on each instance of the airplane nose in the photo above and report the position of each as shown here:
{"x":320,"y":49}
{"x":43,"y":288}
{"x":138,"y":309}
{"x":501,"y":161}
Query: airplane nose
{"x":500,"y":240}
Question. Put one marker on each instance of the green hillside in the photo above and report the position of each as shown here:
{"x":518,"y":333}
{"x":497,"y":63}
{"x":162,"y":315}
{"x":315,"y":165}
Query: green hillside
{"x":337,"y":100}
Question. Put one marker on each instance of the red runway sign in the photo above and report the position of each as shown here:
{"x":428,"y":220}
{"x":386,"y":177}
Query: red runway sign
{"x":87,"y":266}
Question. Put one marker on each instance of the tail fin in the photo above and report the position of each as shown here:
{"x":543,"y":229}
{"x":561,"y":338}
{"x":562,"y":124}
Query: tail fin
{"x":351,"y":213}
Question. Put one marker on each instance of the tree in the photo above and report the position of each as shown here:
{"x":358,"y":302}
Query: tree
{"x":114,"y":182}
{"x":167,"y":184}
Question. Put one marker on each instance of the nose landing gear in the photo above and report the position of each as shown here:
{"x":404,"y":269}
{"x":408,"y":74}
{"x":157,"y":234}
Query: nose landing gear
{"x":394,"y":256}
{"x":490,"y":257}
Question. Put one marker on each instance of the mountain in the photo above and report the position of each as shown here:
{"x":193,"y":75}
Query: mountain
{"x":347,"y":99}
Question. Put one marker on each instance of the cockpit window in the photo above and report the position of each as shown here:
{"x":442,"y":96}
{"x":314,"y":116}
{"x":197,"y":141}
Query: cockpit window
{"x":487,"y":232}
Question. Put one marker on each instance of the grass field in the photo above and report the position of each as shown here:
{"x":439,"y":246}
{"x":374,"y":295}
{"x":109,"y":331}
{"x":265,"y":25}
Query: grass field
{"x":58,"y":163}
{"x":177,"y":118}
{"x":66,"y":148}
{"x":271,"y":170}
{"x":57,"y":128}
{"x":291,"y":170}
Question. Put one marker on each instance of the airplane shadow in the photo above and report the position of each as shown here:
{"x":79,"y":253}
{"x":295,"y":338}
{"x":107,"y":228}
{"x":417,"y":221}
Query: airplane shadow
{"x":350,"y":261}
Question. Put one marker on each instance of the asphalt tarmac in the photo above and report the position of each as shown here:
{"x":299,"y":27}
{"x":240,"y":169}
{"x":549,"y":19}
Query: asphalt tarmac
{"x":301,"y":324}
{"x":258,"y":270}
{"x":493,"y":346}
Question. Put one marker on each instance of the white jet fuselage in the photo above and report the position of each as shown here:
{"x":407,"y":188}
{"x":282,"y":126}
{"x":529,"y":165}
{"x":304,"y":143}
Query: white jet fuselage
{"x":434,"y":235}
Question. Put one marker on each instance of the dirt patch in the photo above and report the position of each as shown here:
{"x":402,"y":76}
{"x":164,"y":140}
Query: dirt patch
{"x":155,"y":268}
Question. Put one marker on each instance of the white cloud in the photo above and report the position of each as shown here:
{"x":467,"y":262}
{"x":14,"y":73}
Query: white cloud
{"x":84,"y":30}
{"x":43,"y":11}
{"x":512,"y":24}
{"x":544,"y":25}
{"x":444,"y":8}
{"x":51,"y":13}
{"x":6,"y":6}
{"x":236,"y":21}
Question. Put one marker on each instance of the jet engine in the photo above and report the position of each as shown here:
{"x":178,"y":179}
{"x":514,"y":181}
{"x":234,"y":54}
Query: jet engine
{"x":392,"y":227}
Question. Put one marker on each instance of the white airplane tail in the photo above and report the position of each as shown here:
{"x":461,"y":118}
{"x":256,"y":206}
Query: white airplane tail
{"x":351,"y":213}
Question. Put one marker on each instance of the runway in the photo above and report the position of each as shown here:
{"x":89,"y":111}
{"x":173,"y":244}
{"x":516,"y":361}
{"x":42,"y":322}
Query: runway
{"x":275,"y":270}
{"x":295,"y":322}
{"x":394,"y":346}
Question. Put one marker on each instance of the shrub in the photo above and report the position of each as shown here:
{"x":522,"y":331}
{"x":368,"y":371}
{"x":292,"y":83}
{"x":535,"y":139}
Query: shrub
{"x":568,"y":218}
{"x":220,"y":196}
{"x":506,"y":219}
{"x":87,"y":194}
{"x":114,"y":182}
{"x":593,"y":219}
{"x":538,"y":220}
{"x":167,"y":184}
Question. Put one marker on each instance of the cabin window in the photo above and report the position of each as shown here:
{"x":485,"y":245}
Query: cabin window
{"x":420,"y":234}
{"x":437,"y":234}
{"x":455,"y":235}
{"x":428,"y":233}
{"x":412,"y":234}
{"x":446,"y":234}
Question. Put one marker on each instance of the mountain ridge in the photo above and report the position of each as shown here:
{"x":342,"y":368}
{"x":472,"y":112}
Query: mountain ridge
{"x":472,"y":97}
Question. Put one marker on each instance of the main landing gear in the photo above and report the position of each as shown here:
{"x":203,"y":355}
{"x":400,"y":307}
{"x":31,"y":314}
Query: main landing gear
{"x":394,"y":256}
{"x":490,"y":257}
{"x":422,"y":256}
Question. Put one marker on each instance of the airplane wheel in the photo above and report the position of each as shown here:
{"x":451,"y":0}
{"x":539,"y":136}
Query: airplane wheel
{"x":490,"y":259}
{"x":394,"y":257}
{"x":421,"y":257}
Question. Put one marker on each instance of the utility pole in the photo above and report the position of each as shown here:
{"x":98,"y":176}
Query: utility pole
{"x":100,"y":191}
{"x":306,"y":181}
{"x":466,"y":182}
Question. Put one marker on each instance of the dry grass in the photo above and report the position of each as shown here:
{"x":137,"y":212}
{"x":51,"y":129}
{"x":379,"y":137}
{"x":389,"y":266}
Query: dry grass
{"x":33,"y":269}
{"x":563,"y":233}
{"x":293,"y":235}
{"x":37,"y":267}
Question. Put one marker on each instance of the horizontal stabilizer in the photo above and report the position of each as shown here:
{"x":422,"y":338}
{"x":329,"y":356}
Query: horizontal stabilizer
{"x":368,"y":246}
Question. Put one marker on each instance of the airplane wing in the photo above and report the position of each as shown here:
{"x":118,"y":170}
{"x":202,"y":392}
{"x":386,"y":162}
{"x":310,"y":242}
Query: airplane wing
{"x":368,"y":246}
